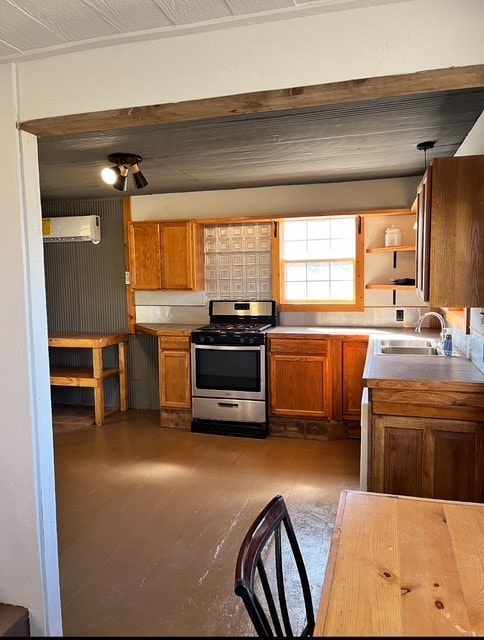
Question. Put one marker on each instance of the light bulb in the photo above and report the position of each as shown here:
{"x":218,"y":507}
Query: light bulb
{"x":110,"y":174}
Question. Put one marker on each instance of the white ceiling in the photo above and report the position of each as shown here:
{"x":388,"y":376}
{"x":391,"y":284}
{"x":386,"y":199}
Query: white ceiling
{"x":38,"y":28}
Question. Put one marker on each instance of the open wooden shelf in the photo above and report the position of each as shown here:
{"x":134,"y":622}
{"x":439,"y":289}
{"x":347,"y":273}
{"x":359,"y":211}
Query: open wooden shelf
{"x":390,"y":287}
{"x":391,"y":249}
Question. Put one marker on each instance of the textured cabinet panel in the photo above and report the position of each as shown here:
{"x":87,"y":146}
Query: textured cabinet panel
{"x":300,"y":386}
{"x":450,"y":221}
{"x":354,"y":356}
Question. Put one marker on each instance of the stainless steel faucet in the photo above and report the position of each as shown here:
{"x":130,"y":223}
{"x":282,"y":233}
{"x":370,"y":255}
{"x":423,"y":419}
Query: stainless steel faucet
{"x":443,"y":329}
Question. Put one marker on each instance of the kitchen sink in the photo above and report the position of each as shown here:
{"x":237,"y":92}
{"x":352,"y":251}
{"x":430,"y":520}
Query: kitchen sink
{"x":406,"y":343}
{"x":407,"y":350}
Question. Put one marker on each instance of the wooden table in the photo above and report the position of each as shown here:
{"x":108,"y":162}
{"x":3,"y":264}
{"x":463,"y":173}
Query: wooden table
{"x":96,"y":375}
{"x":402,"y":566}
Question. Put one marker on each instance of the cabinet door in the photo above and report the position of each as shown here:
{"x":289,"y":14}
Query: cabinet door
{"x":430,"y":458}
{"x":176,"y":261}
{"x":174,"y":372}
{"x":300,"y":386}
{"x":398,"y":445}
{"x":145,"y":257}
{"x":456,"y":461}
{"x":457,"y":224}
{"x":166,"y":255}
{"x":422,"y":257}
{"x":354,"y":356}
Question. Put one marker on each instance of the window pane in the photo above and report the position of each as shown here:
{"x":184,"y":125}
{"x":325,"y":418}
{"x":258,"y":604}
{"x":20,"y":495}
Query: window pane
{"x":295,"y":272}
{"x":318,"y":291}
{"x":318,"y":271}
{"x":318,"y":249}
{"x":295,"y":291}
{"x":342,"y":291}
{"x":295,"y":230}
{"x":342,"y":271}
{"x":342,"y":227}
{"x":319,"y":228}
{"x":343,"y":248}
{"x":295,"y":250}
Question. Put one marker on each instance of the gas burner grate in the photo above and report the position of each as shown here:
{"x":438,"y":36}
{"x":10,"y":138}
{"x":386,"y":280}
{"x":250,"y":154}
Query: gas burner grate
{"x":239,"y":327}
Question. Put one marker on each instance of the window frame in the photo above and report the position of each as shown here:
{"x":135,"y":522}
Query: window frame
{"x":278,"y":282}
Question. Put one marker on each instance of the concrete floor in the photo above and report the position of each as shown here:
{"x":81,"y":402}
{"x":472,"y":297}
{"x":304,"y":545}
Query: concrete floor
{"x":150,"y":521}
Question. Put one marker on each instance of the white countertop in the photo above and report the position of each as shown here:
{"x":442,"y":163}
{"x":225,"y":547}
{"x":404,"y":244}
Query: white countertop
{"x":352,"y":331}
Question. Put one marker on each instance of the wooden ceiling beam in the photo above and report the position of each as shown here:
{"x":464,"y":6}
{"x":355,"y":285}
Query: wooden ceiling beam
{"x":296,"y":98}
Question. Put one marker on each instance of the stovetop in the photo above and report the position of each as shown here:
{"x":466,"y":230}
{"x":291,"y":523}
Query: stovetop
{"x":237,"y":322}
{"x":236,"y":327}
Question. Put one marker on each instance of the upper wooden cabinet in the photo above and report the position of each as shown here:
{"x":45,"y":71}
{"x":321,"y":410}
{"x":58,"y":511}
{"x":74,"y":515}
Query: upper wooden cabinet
{"x":450,"y":231}
{"x":166,"y":255}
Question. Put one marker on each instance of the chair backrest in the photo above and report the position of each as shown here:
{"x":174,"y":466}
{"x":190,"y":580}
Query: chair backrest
{"x":270,"y":575}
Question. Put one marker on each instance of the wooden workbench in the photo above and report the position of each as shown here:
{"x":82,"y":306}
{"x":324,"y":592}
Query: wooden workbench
{"x":94,"y":376}
{"x":403,"y":566}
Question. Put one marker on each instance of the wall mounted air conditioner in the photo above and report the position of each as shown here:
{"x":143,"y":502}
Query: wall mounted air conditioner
{"x":72,"y":229}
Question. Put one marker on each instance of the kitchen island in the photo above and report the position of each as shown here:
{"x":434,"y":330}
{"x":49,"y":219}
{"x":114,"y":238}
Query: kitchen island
{"x":425,"y":425}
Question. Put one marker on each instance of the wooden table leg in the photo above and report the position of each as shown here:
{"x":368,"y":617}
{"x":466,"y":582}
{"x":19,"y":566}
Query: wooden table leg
{"x":97,"y":362}
{"x":123,"y":384}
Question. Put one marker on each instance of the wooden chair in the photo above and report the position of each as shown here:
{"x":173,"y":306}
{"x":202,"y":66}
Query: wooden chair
{"x":270,"y":576}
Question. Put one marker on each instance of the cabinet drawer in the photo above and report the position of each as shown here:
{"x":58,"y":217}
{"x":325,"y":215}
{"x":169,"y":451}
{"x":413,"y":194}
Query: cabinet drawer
{"x":175,"y":342}
{"x":453,"y":405}
{"x":300,"y":345}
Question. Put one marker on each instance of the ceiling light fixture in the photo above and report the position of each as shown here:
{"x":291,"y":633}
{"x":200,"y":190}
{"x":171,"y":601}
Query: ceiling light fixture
{"x":118,"y":175}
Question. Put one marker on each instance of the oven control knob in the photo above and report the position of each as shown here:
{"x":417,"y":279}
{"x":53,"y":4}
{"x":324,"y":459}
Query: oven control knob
{"x":202,"y":338}
{"x":241,"y":340}
{"x":211,"y":339}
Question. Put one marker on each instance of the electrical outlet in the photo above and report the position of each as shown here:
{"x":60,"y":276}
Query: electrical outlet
{"x":399,"y":315}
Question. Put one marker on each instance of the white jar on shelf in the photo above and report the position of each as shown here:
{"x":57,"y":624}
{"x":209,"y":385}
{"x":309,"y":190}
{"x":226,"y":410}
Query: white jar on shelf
{"x":393,"y":236}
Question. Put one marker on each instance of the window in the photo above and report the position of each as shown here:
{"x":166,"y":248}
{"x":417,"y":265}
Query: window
{"x":320,"y":263}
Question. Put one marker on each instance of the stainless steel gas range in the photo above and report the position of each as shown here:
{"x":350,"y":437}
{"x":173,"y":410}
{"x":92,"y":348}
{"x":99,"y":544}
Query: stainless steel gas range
{"x":228,"y":357}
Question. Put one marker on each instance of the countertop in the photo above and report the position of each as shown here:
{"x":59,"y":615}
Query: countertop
{"x":343,"y":331}
{"x":455,"y":373}
{"x":165,"y":329}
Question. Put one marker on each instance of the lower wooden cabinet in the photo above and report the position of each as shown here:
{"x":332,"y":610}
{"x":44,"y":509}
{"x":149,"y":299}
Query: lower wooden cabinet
{"x":175,"y":372}
{"x":300,"y":378}
{"x":432,"y":457}
{"x":317,"y":377}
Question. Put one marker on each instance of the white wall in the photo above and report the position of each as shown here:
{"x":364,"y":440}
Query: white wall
{"x":393,"y":193}
{"x":28,"y":542}
{"x":375,"y":41}
{"x":380,"y":40}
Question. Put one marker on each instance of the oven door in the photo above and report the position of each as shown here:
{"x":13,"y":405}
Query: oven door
{"x":222,"y":371}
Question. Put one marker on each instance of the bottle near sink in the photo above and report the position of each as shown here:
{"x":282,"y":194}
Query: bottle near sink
{"x":447,"y":341}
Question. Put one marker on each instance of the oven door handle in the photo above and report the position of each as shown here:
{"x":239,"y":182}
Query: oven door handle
{"x":230,"y":405}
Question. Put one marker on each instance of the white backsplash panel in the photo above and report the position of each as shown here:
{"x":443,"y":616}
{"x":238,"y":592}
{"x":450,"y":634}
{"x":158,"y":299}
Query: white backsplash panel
{"x":238,"y":262}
